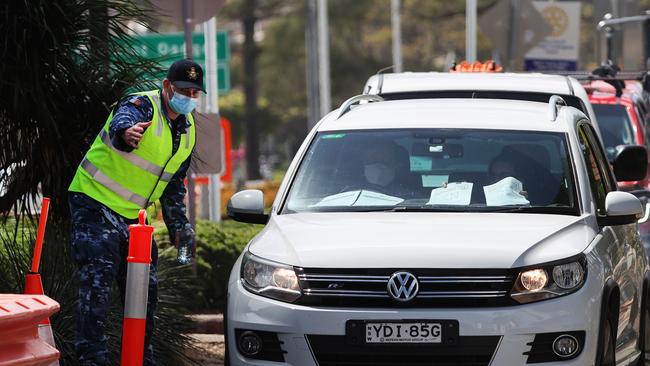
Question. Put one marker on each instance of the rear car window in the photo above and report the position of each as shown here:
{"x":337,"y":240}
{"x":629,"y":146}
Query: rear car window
{"x":615,"y":127}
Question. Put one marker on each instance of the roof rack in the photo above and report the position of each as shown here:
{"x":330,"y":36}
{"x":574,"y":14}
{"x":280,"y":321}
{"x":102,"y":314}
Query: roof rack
{"x":585,"y":75}
{"x":555,"y":102}
{"x":611,"y":74}
{"x":357,"y":99}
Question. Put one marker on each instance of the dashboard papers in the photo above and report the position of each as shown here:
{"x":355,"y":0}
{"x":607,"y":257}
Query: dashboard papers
{"x":507,"y":191}
{"x":452,"y":194}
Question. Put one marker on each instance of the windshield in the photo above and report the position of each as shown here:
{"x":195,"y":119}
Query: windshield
{"x":615,"y":127}
{"x":435,"y":170}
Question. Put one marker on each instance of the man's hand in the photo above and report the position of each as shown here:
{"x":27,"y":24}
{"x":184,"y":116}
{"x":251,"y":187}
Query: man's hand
{"x":184,"y":241}
{"x":133,"y":134}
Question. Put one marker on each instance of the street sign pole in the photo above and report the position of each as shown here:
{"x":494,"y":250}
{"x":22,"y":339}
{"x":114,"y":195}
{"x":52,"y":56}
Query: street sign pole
{"x":187,"y":29}
{"x":212,"y":106}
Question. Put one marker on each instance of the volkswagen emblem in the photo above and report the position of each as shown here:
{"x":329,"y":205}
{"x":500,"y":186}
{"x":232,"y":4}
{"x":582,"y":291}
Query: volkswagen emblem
{"x":403,"y":286}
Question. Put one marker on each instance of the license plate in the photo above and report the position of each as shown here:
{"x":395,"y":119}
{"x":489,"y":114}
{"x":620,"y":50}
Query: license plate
{"x":403,"y":333}
{"x":407,"y":331}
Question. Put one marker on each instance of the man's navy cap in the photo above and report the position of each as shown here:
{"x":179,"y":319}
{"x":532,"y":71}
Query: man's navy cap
{"x":186,"y":74}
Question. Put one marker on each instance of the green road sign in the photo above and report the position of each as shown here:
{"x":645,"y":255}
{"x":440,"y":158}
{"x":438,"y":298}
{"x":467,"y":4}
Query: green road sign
{"x":169,"y":47}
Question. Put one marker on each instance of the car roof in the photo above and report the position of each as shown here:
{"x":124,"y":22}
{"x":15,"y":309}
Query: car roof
{"x":607,"y":98}
{"x":436,"y":81}
{"x":447,"y":113}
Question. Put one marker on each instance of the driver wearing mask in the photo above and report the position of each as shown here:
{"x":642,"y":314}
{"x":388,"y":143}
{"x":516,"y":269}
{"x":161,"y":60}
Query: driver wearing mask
{"x":383,"y":166}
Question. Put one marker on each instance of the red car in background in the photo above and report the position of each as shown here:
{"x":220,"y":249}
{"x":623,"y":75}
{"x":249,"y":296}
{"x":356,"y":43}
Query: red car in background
{"x":621,"y":122}
{"x":624,"y":120}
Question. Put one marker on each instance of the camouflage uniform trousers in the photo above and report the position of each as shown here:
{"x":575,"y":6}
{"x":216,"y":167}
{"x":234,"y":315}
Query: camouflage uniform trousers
{"x":100,"y":240}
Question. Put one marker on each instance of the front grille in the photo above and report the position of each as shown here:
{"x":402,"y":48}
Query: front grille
{"x":469,"y":351}
{"x":437,"y":288}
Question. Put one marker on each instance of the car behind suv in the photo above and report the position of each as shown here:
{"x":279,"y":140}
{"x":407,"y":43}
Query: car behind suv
{"x":444,"y":232}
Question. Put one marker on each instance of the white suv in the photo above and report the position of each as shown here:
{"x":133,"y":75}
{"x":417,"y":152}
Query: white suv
{"x":444,"y":232}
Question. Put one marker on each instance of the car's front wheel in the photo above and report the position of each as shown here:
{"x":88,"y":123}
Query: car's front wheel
{"x":226,"y":356}
{"x":644,"y":332}
{"x":607,"y":351}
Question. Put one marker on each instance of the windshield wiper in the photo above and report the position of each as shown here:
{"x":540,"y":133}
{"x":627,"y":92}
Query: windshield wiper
{"x":392,"y":209}
{"x":426,"y":209}
{"x":535,"y":209}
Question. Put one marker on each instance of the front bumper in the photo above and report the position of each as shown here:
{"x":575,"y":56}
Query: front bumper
{"x":515,"y":327}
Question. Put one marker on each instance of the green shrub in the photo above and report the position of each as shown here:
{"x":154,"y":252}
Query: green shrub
{"x":218,"y":246}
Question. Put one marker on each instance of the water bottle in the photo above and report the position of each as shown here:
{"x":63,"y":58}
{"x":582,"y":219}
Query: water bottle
{"x":185,"y":247}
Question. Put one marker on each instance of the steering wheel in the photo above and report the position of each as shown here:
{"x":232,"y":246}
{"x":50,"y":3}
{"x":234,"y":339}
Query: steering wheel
{"x":352,"y":187}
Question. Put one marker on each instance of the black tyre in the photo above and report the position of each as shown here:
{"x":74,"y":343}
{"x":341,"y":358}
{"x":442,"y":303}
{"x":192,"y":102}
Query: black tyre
{"x":644,"y":333}
{"x":226,"y":355}
{"x":608,"y":348}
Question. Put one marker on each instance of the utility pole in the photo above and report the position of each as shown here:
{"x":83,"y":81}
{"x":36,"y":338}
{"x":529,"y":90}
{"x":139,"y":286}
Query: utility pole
{"x":187,"y":30}
{"x":512,"y":34}
{"x":395,"y":17}
{"x":470,"y":30}
{"x":250,"y":53}
{"x":311,"y":47}
{"x":324,"y":59}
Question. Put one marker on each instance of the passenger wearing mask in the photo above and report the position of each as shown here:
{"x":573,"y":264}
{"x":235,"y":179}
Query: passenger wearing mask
{"x":505,"y":184}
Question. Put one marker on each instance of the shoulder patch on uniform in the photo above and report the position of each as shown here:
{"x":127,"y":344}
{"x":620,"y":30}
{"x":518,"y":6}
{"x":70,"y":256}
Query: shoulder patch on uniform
{"x":136,"y":101}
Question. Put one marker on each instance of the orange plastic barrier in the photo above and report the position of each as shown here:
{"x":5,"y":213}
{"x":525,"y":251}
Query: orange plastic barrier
{"x":20,"y":344}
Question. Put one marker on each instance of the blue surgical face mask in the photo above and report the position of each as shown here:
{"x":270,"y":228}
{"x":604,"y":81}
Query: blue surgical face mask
{"x":182,"y":103}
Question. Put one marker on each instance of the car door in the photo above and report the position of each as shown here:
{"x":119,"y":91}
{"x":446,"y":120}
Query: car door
{"x":623,"y":240}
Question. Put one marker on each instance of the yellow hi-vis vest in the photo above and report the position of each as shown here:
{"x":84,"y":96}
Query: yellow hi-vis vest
{"x":127,"y":181}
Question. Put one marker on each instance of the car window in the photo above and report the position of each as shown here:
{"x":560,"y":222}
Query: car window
{"x":599,"y":174}
{"x":615,"y":127}
{"x":455,"y":169}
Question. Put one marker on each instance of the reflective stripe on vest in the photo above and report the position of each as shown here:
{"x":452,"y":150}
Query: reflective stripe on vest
{"x":107,"y":182}
{"x":161,"y":116}
{"x":136,"y":160}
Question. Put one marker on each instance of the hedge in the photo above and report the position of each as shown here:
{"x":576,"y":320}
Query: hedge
{"x":218,"y":247}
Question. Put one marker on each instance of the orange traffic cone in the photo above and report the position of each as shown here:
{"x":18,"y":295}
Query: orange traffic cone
{"x":33,"y":283}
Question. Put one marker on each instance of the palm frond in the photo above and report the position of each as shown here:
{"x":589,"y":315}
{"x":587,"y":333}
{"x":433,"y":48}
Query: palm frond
{"x":64,"y":63}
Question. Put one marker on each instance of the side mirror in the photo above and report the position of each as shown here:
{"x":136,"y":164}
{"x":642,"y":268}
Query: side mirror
{"x":630,"y":163}
{"x":247,"y":206}
{"x":621,"y":208}
{"x":645,"y":80}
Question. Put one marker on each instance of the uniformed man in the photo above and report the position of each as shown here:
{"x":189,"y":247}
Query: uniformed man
{"x":141,"y":155}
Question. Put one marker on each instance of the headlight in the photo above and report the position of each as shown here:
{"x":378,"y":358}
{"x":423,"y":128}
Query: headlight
{"x":549,"y":281}
{"x":534,"y":280}
{"x":271,"y":279}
